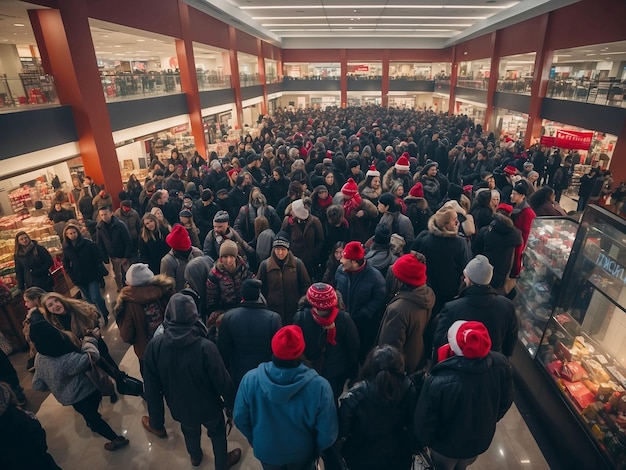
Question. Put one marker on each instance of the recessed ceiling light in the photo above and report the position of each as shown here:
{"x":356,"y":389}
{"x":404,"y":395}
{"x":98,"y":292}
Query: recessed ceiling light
{"x":18,"y":24}
{"x":141,"y":40}
{"x":117,"y":45}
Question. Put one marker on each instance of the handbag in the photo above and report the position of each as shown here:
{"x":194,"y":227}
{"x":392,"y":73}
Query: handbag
{"x":129,"y":386}
{"x":100,"y":379}
{"x":423,"y":460}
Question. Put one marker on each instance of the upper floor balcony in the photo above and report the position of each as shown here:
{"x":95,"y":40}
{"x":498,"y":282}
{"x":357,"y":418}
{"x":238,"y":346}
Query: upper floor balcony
{"x":212,"y":80}
{"x":520,"y":86}
{"x":477,"y":84}
{"x":27,"y":90}
{"x":120,"y":86}
{"x":602,"y":92}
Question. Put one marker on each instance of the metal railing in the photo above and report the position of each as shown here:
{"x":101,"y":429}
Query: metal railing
{"x":132,"y":85}
{"x":479,"y":84}
{"x":29,"y":89}
{"x":606,"y":93}
{"x":520,"y":86}
{"x":211,"y":80}
{"x":312,"y":77}
{"x":249,"y":79}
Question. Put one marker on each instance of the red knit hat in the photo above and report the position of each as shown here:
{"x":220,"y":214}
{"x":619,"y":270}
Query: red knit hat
{"x":505,"y":207}
{"x":354,"y":251}
{"x":321,"y":296}
{"x":417,"y":190}
{"x":178,"y":239}
{"x":469,"y":339}
{"x":288,"y":343}
{"x":389,"y":160}
{"x":510,"y":170}
{"x":410,"y":270}
{"x":403,"y":162}
{"x":231,"y":172}
{"x":350,"y":188}
{"x":372,"y":171}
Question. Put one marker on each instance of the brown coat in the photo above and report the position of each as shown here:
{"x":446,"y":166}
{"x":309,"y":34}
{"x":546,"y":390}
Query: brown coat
{"x":307,"y":239}
{"x":140,"y":310}
{"x":283,"y":287}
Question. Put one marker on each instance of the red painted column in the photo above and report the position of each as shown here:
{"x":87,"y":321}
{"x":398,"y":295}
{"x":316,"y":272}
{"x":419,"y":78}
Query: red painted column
{"x":541,"y":75}
{"x":492,"y":86}
{"x":385,"y":80}
{"x":618,"y":160}
{"x":69,"y":47}
{"x":189,"y":80}
{"x":262,"y":76}
{"x":343,"y":60}
{"x":234,"y":75}
{"x":453,"y":78}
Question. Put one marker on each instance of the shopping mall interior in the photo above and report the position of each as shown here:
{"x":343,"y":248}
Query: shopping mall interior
{"x":96,"y":88}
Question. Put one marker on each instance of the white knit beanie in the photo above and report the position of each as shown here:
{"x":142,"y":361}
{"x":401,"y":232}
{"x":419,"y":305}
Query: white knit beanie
{"x":138,"y":274}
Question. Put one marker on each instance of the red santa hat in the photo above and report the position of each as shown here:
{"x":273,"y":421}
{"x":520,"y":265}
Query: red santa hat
{"x":510,"y":170}
{"x":350,"y":188}
{"x":417,"y":190}
{"x":469,"y":339}
{"x":403,"y":162}
{"x":372,"y":171}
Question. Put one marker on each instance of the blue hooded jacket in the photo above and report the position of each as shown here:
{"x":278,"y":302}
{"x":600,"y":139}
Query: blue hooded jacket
{"x":288,"y":415}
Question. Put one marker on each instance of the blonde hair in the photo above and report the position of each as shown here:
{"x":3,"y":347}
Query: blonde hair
{"x":84,"y":316}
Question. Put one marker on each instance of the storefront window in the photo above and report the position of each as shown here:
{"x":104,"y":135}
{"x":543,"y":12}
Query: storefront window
{"x":418,"y":71}
{"x":474,"y":74}
{"x":271,"y":71}
{"x":472,"y":110}
{"x":312,"y":71}
{"x":248,"y":69}
{"x":516,"y":73}
{"x":510,"y":124}
{"x":365,"y":70}
{"x":210,"y":67}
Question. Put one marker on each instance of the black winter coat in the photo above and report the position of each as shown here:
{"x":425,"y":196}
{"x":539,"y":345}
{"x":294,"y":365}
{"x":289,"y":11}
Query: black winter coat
{"x":245,"y":338}
{"x":481,"y":303}
{"x":330,"y":361}
{"x":32,"y":269}
{"x":81,"y":261}
{"x":460,"y":404}
{"x":153,"y":251}
{"x":113,"y":239}
{"x":497,"y":242}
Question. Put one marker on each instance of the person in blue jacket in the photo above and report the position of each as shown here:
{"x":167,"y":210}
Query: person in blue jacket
{"x":292,"y":401}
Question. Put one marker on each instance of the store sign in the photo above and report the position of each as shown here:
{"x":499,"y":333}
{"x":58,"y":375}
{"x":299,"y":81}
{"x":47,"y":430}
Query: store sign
{"x":180,"y":129}
{"x":362,"y":68}
{"x":573,"y":140}
{"x":612,"y":267}
{"x":547,"y":140}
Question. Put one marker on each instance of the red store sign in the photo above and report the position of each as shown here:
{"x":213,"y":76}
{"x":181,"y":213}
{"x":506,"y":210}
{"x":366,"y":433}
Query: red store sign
{"x":567,"y":139}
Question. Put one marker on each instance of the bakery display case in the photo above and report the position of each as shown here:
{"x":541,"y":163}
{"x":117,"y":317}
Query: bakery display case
{"x":544,"y":261}
{"x":583,"y":348}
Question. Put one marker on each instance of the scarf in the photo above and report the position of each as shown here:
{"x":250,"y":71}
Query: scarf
{"x":324,"y":203}
{"x":328,"y":323}
{"x":351,"y":205}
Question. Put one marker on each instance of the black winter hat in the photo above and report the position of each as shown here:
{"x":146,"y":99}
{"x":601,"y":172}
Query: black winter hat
{"x":382,"y":235}
{"x":251,"y":290}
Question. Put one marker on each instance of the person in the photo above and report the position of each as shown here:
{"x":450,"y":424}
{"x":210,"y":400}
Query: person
{"x":331,"y":338}
{"x":152,"y":242}
{"x":8,"y":375}
{"x":333,"y":262}
{"x":380,"y":254}
{"x":498,"y":242}
{"x":522,"y":216}
{"x":222,"y":232}
{"x":481,"y":209}
{"x":32,"y":301}
{"x":186,"y":368}
{"x":32,"y":263}
{"x":246,"y":332}
{"x":114,"y":243}
{"x":175,"y":261}
{"x":83,"y":264}
{"x":469,"y":385}
{"x":375,"y":413}
{"x":131,"y":219}
{"x":393,"y":218}
{"x":223,"y":285}
{"x":478,"y":302}
{"x":543,"y":202}
{"x":22,"y":438}
{"x":417,"y":209}
{"x":370,"y":187}
{"x":407,"y":315}
{"x":561,"y":179}
{"x":292,"y":399}
{"x":305,"y":233}
{"x":285,"y":279}
{"x":186,"y":220}
{"x":59,"y":214}
{"x":140,"y":307}
{"x":60,"y":364}
{"x":244,"y":224}
{"x":360,"y":213}
{"x":362,"y":288}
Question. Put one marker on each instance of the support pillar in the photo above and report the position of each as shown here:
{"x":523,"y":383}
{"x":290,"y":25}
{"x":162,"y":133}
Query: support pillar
{"x":492,"y":86}
{"x":343,"y":60}
{"x":69,"y":47}
{"x":235,"y":83}
{"x":188,"y":79}
{"x":262,"y":76}
{"x":453,"y":79}
{"x":385,"y":78}
{"x":618,"y":160}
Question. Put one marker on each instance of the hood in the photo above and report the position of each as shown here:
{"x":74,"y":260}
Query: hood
{"x":422,"y":296}
{"x":420,"y":202}
{"x":502,"y":223}
{"x":456,"y":206}
{"x":432,"y":228}
{"x":151,"y":292}
{"x":520,"y":208}
{"x":279,"y":385}
{"x":181,"y":315}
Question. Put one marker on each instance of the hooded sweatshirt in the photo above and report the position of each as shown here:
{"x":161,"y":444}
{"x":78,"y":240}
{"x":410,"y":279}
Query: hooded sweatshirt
{"x":295,"y":403}
{"x":185,"y":367}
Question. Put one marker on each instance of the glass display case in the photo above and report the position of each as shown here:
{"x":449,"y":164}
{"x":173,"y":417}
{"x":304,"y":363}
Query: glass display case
{"x":539,"y":285}
{"x":583,"y":348}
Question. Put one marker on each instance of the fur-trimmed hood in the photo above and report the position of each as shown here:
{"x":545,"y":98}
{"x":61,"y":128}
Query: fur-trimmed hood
{"x":154,"y":290}
{"x":502,"y":223}
{"x":432,"y":228}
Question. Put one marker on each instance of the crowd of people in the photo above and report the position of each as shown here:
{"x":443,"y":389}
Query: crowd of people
{"x":345,"y":250}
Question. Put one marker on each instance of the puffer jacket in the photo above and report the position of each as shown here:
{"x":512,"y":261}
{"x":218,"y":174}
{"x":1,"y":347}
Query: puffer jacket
{"x":498,"y":242}
{"x":446,"y":254}
{"x":307,"y":239}
{"x":32,"y":268}
{"x":140,"y":310}
{"x":113,"y":239}
{"x":65,"y":375}
{"x":81,"y":260}
{"x":404,"y":323}
{"x":223,"y":288}
{"x":461,"y":394}
{"x":132,"y":220}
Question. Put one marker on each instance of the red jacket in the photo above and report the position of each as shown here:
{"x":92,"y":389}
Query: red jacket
{"x":523,"y":217}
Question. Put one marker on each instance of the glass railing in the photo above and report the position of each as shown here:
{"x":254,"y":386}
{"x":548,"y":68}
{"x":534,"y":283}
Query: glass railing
{"x":210,"y":80}
{"x":520,"y":86}
{"x":27,"y":90}
{"x":273,"y":79}
{"x":364,"y":77}
{"x":412,"y":78}
{"x":606,"y":93}
{"x":247,"y":79}
{"x":479,"y":84}
{"x":134,"y":85}
{"x":311,"y":77}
